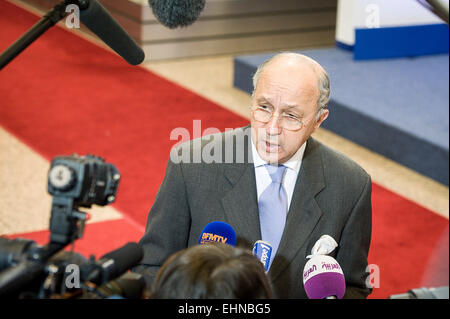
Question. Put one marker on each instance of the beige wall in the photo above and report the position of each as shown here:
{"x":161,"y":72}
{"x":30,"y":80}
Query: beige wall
{"x":226,"y":26}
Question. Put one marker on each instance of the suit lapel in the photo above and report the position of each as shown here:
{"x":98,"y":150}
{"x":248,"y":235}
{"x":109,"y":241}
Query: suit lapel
{"x":240,"y":196}
{"x":304,"y":213}
{"x":240,"y":204}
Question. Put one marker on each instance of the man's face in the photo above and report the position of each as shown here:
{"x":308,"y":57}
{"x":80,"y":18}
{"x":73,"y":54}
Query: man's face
{"x":285,"y":87}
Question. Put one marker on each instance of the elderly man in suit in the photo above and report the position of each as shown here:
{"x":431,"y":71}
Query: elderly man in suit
{"x":271,"y":181}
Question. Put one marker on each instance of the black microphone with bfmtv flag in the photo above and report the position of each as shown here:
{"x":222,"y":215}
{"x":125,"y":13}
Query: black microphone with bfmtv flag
{"x":323,"y":277}
{"x":218,"y":232}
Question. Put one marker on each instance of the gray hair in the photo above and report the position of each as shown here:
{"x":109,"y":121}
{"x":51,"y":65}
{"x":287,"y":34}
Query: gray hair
{"x":323,"y":83}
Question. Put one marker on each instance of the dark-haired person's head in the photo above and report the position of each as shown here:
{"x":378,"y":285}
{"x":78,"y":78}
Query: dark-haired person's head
{"x":212,"y":271}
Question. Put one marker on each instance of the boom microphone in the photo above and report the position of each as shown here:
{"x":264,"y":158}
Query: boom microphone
{"x":218,"y":232}
{"x":263,"y":251}
{"x":177,"y":13}
{"x":323,"y":278}
{"x":113,"y":264}
{"x":99,"y":21}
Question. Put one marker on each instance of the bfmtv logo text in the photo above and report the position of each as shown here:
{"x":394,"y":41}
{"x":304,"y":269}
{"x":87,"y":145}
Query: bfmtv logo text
{"x":208,"y":237}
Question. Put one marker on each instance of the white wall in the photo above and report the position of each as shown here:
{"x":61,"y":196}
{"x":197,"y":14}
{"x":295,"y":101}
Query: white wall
{"x":352,"y":14}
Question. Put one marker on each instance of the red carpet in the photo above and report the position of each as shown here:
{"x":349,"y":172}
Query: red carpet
{"x":64,"y":95}
{"x":404,"y":237}
{"x":82,"y":99}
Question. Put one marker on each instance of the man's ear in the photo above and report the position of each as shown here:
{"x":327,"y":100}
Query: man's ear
{"x":322,"y":118}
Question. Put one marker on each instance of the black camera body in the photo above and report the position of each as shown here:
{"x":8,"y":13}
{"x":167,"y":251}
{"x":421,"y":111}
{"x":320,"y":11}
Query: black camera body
{"x":88,"y":180}
{"x":78,"y":182}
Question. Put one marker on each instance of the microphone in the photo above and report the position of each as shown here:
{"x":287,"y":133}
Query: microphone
{"x":13,"y":279}
{"x":176,"y":13}
{"x":128,"y":286}
{"x":100,"y":22}
{"x":113,"y":264}
{"x":263,"y":251}
{"x":27,"y":267}
{"x":218,"y":232}
{"x":323,"y":278}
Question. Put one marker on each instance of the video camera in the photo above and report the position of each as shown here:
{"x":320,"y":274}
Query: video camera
{"x":28,"y":270}
{"x":78,"y":182}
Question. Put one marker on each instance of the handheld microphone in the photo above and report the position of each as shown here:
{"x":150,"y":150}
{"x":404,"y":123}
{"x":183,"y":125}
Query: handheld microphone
{"x":218,"y":232}
{"x":323,"y":278}
{"x":13,"y":279}
{"x":263,"y":251}
{"x":128,"y":286}
{"x":177,"y":13}
{"x":26,"y":270}
{"x":113,"y":264}
{"x":100,"y":22}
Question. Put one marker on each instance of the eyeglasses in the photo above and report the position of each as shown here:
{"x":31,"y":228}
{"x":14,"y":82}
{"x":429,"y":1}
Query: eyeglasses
{"x":285,"y":120}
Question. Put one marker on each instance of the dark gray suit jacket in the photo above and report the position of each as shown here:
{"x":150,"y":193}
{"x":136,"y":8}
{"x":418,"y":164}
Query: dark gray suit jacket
{"x":332,"y":196}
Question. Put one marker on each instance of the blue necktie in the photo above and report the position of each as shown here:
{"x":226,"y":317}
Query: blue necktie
{"x":272,"y":206}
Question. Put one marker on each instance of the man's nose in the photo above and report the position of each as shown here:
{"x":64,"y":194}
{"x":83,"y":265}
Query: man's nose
{"x":273,"y":126}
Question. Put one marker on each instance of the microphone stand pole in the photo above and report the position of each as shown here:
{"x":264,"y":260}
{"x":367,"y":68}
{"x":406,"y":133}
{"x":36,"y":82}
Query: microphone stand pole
{"x":47,"y":21}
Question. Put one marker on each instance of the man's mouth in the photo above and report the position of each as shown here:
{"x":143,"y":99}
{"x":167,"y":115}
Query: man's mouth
{"x":271,"y":147}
